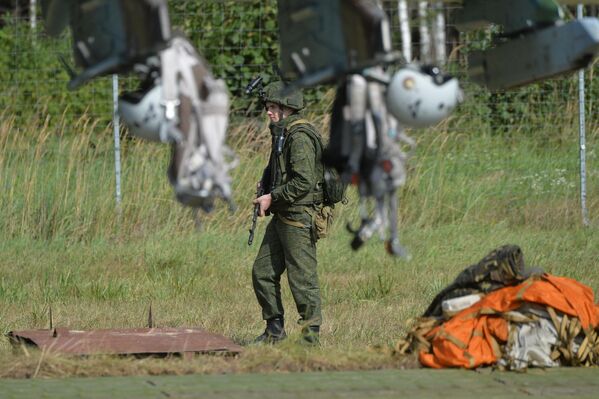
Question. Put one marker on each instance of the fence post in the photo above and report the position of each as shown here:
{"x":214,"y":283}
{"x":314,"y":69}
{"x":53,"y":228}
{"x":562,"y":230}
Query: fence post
{"x":117,"y":141}
{"x":582,"y":139}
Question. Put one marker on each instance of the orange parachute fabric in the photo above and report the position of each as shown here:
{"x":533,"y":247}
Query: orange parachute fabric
{"x":473,"y":337}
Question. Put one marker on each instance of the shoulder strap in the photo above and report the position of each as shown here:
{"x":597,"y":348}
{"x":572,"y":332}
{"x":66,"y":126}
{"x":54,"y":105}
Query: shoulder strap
{"x":310,"y":132}
{"x":317,"y":196}
{"x":297,"y":122}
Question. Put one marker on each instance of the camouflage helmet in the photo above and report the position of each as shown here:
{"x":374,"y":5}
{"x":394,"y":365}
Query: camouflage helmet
{"x":273,"y":93}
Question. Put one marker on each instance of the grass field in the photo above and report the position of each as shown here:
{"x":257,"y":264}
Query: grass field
{"x":65,"y":246}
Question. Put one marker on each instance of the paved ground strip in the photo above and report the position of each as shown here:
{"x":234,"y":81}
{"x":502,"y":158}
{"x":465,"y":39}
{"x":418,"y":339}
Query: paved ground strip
{"x":554,"y":383}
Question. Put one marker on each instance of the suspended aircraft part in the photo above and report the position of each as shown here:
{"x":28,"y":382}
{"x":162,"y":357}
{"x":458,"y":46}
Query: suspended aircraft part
{"x":323,"y":40}
{"x":422,"y":96}
{"x":109,"y":36}
{"x":382,"y":222}
{"x":369,"y":225}
{"x":537,"y":55}
{"x":371,"y":155}
{"x":392,"y":245}
{"x":366,"y":139}
{"x":180,"y":102}
{"x":513,"y":15}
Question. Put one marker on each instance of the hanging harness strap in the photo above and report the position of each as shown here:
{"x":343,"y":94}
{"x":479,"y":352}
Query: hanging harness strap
{"x":290,"y":222}
{"x":196,"y":109}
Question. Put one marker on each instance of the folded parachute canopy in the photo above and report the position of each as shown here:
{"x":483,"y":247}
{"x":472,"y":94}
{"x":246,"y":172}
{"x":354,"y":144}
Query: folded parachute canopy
{"x":474,"y":337}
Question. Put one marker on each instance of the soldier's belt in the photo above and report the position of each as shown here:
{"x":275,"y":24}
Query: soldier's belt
{"x":291,"y":222}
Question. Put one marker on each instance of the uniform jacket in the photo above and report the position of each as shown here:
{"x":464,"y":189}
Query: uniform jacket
{"x":299,"y":179}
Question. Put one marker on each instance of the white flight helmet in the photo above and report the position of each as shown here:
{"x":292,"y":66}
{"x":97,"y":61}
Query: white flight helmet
{"x":422,"y":96}
{"x":144,"y":114}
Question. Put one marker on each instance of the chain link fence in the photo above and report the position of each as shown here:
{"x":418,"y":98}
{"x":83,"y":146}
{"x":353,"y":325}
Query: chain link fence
{"x":239,"y":39}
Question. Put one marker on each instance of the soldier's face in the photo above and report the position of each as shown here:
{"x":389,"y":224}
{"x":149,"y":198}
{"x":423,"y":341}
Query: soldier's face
{"x":274,"y":112}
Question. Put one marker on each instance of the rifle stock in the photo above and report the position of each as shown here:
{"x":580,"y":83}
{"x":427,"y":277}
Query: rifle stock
{"x":260,"y":191}
{"x":267,"y":182}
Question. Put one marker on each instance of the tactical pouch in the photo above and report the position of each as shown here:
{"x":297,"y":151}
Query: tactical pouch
{"x":323,"y":221}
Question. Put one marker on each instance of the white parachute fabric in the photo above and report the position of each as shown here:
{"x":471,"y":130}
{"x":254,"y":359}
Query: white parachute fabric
{"x":534,"y":339}
{"x":531,"y":345}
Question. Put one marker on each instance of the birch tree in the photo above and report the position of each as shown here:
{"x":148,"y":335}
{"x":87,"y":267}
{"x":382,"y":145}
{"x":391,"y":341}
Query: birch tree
{"x":439,"y":34}
{"x":425,"y":38}
{"x":404,"y":26}
{"x":32,"y":14}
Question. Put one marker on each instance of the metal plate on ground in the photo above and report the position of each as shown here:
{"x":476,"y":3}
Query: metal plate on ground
{"x":134,"y":341}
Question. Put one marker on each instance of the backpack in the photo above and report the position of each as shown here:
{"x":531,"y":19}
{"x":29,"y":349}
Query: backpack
{"x":333,"y":186}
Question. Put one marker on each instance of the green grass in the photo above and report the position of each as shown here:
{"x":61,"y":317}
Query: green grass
{"x":65,"y":246}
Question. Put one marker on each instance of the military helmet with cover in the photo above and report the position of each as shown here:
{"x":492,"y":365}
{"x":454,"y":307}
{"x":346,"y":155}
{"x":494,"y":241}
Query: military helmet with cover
{"x":274,"y":93}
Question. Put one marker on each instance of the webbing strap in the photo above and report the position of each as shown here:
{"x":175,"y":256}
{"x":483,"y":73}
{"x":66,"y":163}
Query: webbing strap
{"x":526,"y":285}
{"x":290,"y":222}
{"x":297,"y":122}
{"x":310,"y":133}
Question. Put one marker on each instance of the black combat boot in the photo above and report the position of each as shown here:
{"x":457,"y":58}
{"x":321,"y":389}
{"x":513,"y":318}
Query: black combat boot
{"x":274,"y":332}
{"x":311,"y":335}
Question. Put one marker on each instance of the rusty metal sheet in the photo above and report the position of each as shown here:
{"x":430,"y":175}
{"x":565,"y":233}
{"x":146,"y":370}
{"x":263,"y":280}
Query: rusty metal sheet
{"x":149,"y":341}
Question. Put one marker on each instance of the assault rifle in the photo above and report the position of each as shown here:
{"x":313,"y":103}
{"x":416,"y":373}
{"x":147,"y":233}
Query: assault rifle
{"x":260,"y":191}
{"x":269,"y":178}
{"x":265,"y":180}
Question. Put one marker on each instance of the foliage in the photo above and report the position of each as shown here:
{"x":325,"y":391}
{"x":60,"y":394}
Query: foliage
{"x":33,"y":81}
{"x":238,"y":38}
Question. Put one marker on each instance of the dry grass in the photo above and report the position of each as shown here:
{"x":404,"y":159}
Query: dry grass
{"x":282,"y":358}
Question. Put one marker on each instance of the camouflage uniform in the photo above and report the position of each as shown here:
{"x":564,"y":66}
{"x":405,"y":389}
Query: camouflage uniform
{"x":289,"y":242}
{"x":502,"y":267}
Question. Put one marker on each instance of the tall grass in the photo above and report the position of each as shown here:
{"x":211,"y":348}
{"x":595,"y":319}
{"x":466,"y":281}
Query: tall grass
{"x":65,"y":246}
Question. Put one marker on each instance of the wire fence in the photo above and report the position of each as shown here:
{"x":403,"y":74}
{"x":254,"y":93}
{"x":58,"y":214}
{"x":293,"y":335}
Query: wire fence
{"x":240,"y":41}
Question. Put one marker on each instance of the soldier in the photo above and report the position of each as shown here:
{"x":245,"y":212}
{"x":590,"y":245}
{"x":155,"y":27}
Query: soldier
{"x":294,"y":198}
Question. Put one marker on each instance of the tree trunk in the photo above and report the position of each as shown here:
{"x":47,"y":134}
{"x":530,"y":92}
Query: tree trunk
{"x":404,"y":26}
{"x":425,"y":39}
{"x":32,"y":14}
{"x":439,"y":33}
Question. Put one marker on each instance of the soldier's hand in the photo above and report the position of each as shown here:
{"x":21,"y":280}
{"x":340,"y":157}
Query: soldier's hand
{"x":264,"y":201}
